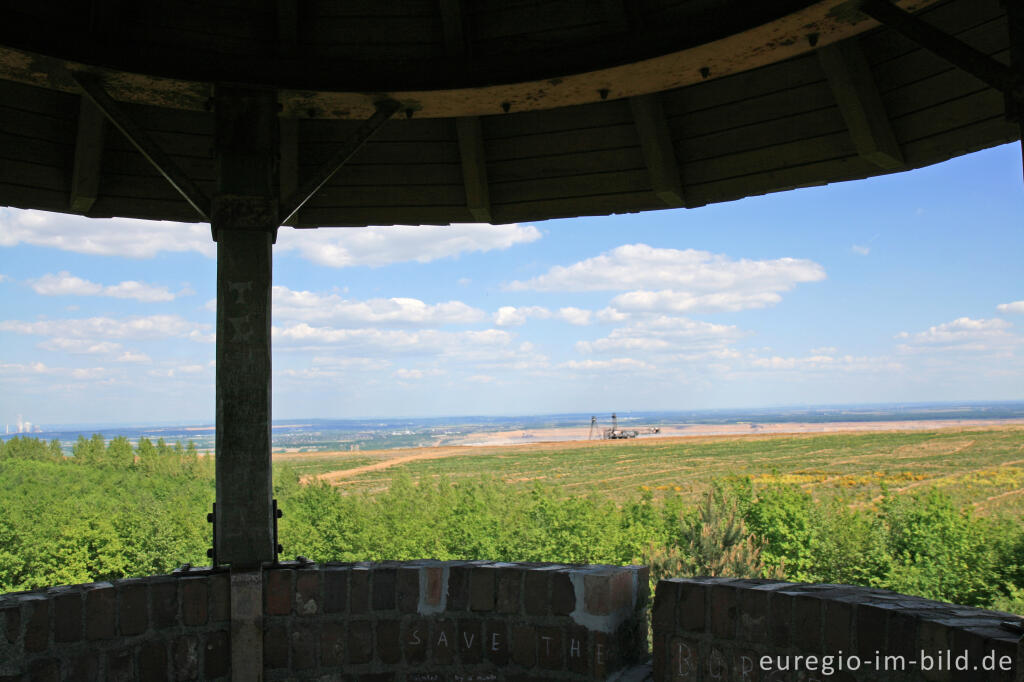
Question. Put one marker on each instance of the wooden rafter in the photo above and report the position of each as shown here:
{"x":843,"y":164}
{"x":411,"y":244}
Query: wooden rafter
{"x":85,"y":175}
{"x":305,"y":191}
{"x":145,"y":144}
{"x":289,"y":166}
{"x":1015,"y":101}
{"x":955,"y":51}
{"x":658,"y":150}
{"x":287,"y":27}
{"x":853,"y":86}
{"x":474,"y":167}
{"x":468,"y":129}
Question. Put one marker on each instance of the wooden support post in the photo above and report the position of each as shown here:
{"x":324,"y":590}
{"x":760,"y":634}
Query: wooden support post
{"x":244,"y":221}
{"x":474,"y":167}
{"x":85,"y":176}
{"x":658,"y":150}
{"x":853,"y":86}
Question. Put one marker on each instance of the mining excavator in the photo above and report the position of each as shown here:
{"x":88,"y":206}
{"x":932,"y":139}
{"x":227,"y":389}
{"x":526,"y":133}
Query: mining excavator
{"x":615,"y":433}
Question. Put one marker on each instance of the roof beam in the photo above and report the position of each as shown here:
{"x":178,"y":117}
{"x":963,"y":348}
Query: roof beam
{"x":853,"y":86}
{"x":305,"y":191}
{"x":288,"y":169}
{"x":467,"y":128}
{"x":474,"y":167}
{"x":955,"y":51}
{"x":658,"y":150}
{"x":1015,"y":101}
{"x":145,"y":144}
{"x":287,"y":27}
{"x":454,"y":28}
{"x":85,"y":175}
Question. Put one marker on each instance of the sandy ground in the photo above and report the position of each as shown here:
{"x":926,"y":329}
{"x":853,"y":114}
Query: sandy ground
{"x":682,"y":430}
{"x":573,"y":438}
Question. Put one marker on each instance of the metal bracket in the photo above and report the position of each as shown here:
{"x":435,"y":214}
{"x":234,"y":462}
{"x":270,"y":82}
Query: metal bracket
{"x":277,"y":513}
{"x":211,"y":518}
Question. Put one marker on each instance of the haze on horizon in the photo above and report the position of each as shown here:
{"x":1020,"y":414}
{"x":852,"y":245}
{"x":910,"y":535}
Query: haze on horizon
{"x":902,"y":288}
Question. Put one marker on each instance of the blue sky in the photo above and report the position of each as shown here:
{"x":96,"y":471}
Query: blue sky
{"x":902,"y":288}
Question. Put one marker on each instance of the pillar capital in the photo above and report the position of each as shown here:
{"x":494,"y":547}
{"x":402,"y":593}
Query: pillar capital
{"x":244,"y":212}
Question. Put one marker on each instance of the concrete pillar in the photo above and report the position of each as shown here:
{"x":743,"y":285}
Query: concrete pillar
{"x":244,"y":218}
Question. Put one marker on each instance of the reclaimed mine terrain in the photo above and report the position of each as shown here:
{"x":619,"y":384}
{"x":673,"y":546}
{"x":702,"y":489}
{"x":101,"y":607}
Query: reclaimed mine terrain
{"x":981,"y":465}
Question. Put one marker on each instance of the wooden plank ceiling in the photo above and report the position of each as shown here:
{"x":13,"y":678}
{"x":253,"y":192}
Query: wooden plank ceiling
{"x":872,"y":104}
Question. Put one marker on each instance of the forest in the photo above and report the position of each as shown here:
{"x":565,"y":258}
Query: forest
{"x":114,"y":509}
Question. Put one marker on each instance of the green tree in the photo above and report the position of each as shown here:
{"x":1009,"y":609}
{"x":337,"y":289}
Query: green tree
{"x":147,"y":454}
{"x":714,"y":542}
{"x":119,"y":453}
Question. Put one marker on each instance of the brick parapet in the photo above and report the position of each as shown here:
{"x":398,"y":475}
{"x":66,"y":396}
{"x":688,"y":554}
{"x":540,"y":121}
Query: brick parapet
{"x":455,"y":620}
{"x":728,"y":629}
{"x":159,"y":627}
{"x":423,"y":620}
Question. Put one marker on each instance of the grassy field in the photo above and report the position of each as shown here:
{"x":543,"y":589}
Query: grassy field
{"x":983,"y":467}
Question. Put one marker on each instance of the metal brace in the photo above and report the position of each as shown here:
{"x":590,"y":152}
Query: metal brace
{"x":211,"y":518}
{"x":277,"y":514}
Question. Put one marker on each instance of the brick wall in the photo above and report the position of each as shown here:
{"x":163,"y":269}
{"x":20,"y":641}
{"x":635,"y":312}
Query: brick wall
{"x":750,"y":630}
{"x":157,"y":628}
{"x":416,"y":621}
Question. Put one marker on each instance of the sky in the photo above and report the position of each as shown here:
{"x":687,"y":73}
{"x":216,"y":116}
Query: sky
{"x":903,"y":288}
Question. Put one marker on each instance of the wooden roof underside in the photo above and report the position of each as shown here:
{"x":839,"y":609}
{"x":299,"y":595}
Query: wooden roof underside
{"x":768,"y":129}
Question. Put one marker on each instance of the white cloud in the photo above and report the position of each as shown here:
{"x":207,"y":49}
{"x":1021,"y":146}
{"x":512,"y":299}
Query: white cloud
{"x":511,"y":316}
{"x":66,"y":284}
{"x":480,"y":379}
{"x":416,"y":374}
{"x":102,"y":236}
{"x":36,"y":369}
{"x":964,"y":335}
{"x":308,"y":306}
{"x":376,"y":342}
{"x":813,"y":363}
{"x":624,"y":364}
{"x":960,"y":331}
{"x":576,"y":316}
{"x":129,"y":356}
{"x":639,"y":266}
{"x":349,"y":362}
{"x":3,"y":277}
{"x":663,"y":335}
{"x":668,"y":301}
{"x":83,"y":346}
{"x":1015,"y":307}
{"x":140,"y":327}
{"x":860,"y":250}
{"x":377,"y":246}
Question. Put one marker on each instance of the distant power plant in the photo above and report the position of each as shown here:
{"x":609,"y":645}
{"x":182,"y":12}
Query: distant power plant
{"x":23,"y":427}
